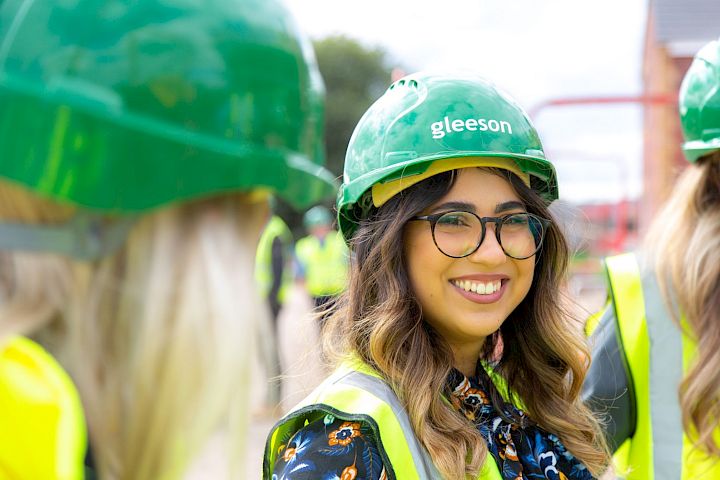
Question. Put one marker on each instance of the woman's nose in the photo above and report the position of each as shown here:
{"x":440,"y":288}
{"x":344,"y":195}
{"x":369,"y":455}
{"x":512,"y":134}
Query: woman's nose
{"x":490,"y":251}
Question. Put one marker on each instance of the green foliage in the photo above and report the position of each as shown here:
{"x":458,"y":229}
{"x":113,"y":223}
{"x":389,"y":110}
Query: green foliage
{"x":355,"y":76}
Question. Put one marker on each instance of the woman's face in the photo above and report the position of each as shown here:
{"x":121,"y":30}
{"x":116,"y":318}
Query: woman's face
{"x":464,"y":318}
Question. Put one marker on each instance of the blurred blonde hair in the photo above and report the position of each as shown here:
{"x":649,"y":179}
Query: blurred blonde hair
{"x":156,"y":336}
{"x":684,"y":246}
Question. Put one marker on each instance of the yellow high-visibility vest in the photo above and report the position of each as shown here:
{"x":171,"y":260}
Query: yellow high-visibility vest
{"x":275,"y":228}
{"x":325,"y":264}
{"x":42,"y":428}
{"x":357,"y":391}
{"x":658,"y":355}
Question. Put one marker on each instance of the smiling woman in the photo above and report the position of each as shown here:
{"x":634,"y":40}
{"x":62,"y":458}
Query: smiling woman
{"x":492,"y":283}
{"x":455,"y":358}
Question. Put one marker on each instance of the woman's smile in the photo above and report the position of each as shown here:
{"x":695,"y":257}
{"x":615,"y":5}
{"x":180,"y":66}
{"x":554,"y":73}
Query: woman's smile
{"x":481,"y":288}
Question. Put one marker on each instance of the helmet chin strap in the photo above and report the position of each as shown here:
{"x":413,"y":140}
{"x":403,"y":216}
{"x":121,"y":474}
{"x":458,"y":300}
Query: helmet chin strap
{"x":86,"y":236}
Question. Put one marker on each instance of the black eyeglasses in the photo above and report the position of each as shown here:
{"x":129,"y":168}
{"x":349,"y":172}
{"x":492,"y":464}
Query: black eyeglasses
{"x":458,"y":234}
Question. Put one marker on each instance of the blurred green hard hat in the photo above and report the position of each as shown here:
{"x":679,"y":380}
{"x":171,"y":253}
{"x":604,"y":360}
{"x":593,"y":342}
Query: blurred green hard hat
{"x":426,"y":124}
{"x":699,"y":103}
{"x":125,"y":106}
{"x":318,"y":215}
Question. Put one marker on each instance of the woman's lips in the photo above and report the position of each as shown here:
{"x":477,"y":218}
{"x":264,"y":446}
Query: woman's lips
{"x":497,"y":285}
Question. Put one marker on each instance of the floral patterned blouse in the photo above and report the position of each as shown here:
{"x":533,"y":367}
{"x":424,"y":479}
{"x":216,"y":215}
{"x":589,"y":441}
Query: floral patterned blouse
{"x":334,"y":449}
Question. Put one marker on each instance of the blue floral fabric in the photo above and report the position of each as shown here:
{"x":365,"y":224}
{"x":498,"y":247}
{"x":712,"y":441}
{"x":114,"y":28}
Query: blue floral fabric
{"x":521,"y":449}
{"x":330,"y":449}
{"x":334,"y":449}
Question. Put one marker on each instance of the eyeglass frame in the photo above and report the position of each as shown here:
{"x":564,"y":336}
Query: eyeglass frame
{"x":498,"y":221}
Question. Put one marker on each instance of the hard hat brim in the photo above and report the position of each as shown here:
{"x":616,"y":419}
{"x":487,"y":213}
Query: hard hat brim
{"x":97,"y":157}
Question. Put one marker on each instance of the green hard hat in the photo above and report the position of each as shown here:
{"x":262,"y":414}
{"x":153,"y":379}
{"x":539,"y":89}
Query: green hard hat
{"x":699,"y":103}
{"x":427,"y":123}
{"x":125,"y":106}
{"x":318,"y":215}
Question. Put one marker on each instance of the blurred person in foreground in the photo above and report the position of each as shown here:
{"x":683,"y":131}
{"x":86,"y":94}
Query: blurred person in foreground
{"x":656,"y":364}
{"x":138,"y":145}
{"x":444,"y":204}
{"x":321,"y":259}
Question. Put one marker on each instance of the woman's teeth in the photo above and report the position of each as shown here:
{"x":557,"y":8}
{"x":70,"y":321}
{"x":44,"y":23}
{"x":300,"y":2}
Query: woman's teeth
{"x":478,"y":287}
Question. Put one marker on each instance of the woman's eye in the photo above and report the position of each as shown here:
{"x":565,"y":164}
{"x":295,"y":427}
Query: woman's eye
{"x":451,"y":221}
{"x":520,"y":219}
{"x":454,"y":220}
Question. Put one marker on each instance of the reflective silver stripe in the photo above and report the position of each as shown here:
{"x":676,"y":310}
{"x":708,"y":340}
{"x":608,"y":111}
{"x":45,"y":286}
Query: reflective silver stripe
{"x":666,"y":370}
{"x":423,"y":464}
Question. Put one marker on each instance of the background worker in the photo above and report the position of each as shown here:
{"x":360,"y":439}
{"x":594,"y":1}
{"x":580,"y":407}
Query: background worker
{"x":273,"y":266}
{"x":656,"y":363}
{"x":273,"y":275}
{"x":321,"y":258}
{"x":139,"y":142}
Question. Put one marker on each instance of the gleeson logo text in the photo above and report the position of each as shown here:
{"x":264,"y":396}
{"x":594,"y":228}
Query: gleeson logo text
{"x":439,"y":129}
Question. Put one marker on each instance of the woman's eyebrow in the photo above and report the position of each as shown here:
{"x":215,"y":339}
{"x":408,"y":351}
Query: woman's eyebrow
{"x":467,"y":207}
{"x":512,"y":205}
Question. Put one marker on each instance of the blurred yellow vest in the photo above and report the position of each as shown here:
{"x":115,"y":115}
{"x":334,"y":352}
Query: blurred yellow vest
{"x":276,"y":228}
{"x":654,"y":453}
{"x":326,"y":264}
{"x":42,"y":428}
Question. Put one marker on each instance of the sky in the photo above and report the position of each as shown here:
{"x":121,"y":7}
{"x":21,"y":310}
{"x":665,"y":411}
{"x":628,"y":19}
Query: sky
{"x":536,"y":50}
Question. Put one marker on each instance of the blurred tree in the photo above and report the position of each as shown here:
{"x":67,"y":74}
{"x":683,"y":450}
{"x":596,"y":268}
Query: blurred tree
{"x":355,"y":76}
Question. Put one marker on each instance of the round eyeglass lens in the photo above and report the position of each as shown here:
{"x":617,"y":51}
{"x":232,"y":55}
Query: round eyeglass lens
{"x":521,"y":235}
{"x":457,"y":233}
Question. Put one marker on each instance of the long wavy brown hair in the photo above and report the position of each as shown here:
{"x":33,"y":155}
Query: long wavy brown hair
{"x":539,"y":353}
{"x":685,"y":251}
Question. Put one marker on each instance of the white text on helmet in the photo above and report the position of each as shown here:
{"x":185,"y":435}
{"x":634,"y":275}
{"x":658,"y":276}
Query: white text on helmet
{"x":439,"y":129}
